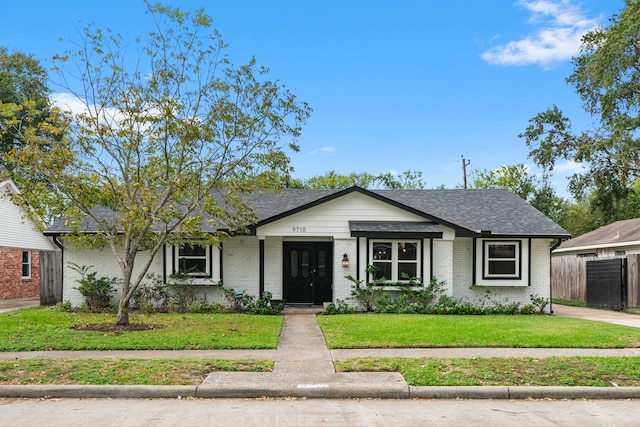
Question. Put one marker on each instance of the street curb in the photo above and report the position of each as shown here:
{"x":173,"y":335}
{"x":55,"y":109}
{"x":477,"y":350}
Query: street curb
{"x":97,"y":391}
{"x":328,"y":391}
{"x":523,"y":392}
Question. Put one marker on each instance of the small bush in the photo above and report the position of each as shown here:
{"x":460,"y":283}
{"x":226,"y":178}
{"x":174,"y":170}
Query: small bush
{"x":340,"y":307}
{"x":262,"y":305}
{"x":64,"y":307}
{"x":539,"y":302}
{"x":95,"y":290}
{"x":528,"y":309}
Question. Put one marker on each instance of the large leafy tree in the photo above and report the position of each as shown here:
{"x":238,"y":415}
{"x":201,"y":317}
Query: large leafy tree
{"x":26,"y":112}
{"x":167,"y":141}
{"x":333,"y":180}
{"x":537,"y":190}
{"x":606,"y":76}
{"x":24,"y":94}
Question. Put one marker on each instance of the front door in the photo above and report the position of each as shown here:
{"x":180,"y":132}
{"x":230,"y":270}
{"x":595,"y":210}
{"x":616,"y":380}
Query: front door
{"x":308,"y":272}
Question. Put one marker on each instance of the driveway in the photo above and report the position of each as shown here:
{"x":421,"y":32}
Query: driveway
{"x":600,"y":315}
{"x":18,"y":303}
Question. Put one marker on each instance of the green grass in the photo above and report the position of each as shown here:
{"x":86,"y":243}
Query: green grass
{"x":552,"y":371}
{"x":121,"y":371}
{"x":398,"y":331}
{"x":571,"y":302}
{"x":48,"y":329}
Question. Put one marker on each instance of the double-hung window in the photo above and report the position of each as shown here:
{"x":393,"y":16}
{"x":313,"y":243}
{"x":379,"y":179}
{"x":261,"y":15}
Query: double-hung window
{"x":26,"y":264}
{"x":501,"y":260}
{"x":193,"y":260}
{"x":395,"y":260}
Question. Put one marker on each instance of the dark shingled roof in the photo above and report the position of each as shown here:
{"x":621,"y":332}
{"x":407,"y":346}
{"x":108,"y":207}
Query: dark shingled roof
{"x":469,"y":211}
{"x":617,"y":232}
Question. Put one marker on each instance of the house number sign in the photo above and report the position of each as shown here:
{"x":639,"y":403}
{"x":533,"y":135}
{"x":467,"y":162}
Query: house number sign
{"x":298,"y":229}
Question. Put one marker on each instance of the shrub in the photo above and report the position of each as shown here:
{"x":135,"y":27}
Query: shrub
{"x":539,"y":302}
{"x":64,"y":307}
{"x":262,"y":305}
{"x":153,"y":297}
{"x":95,"y":290}
{"x":340,"y":307}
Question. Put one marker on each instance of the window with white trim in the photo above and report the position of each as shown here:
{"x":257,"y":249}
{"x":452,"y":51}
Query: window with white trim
{"x":193,"y":260}
{"x":501,"y":260}
{"x":26,"y":264}
{"x":396,"y":260}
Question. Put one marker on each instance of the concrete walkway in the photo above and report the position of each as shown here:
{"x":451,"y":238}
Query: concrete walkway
{"x":18,"y":303}
{"x":599,"y":315}
{"x":304,"y":368}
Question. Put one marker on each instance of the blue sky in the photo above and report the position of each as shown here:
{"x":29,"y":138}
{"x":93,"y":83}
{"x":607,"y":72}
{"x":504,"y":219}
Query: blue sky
{"x":394,"y":85}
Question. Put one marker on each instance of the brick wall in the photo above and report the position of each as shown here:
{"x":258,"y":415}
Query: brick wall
{"x":12,"y":285}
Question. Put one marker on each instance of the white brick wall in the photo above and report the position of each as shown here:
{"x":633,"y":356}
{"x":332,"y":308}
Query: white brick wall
{"x":104,"y":264}
{"x":462,"y":265}
{"x":443,"y":263}
{"x":342,"y":286}
{"x":540,"y":275}
{"x":241,"y":264}
{"x":273,"y":266}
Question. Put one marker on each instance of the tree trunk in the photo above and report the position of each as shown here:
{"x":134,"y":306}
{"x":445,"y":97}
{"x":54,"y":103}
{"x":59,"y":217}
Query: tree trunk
{"x":123,"y":303}
{"x":123,"y":313}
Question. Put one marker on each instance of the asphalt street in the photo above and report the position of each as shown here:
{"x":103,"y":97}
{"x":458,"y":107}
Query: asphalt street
{"x":317,"y":412}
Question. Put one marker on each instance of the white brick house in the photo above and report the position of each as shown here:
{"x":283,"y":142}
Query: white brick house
{"x":299,"y":246}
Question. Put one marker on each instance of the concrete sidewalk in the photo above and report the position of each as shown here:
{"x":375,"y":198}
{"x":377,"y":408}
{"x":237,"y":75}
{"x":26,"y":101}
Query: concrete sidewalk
{"x":304,"y":368}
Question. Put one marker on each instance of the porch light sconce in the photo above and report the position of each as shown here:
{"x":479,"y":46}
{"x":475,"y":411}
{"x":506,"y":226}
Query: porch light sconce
{"x":345,"y":261}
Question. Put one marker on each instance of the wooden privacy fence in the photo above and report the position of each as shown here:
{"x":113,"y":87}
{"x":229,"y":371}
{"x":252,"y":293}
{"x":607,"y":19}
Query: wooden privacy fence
{"x":50,"y":277}
{"x":569,"y":278}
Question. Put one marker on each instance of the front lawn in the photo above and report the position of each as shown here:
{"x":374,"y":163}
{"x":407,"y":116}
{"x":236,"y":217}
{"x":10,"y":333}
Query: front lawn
{"x":413,"y":330}
{"x":510,"y":371}
{"x":122,"y":371}
{"x":49,"y":329}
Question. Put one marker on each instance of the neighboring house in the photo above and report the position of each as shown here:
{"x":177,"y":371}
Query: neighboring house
{"x":20,"y":246}
{"x":617,"y":239}
{"x":305,"y":242}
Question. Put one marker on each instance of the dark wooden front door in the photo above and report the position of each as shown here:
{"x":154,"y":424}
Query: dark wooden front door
{"x":308,"y":272}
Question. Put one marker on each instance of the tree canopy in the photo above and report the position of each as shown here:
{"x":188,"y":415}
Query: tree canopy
{"x":606,"y":76}
{"x":24,"y":97}
{"x":168,"y":140}
{"x":335,"y":181}
{"x":534,"y":189}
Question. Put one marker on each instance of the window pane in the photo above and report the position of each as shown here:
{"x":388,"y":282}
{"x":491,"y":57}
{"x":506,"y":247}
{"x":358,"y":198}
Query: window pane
{"x":25,"y":257}
{"x":25,"y":270}
{"x":305,"y":264}
{"x":502,"y":251}
{"x":189,"y":250}
{"x":385,"y":270}
{"x":193,"y":265}
{"x":407,"y":268}
{"x":382,"y":251}
{"x":322,"y":263}
{"x":294,"y":263}
{"x":407,"y":251}
{"x":502,"y":267}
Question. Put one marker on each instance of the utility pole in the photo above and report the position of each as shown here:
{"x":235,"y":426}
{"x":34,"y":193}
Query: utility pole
{"x":465,"y":163}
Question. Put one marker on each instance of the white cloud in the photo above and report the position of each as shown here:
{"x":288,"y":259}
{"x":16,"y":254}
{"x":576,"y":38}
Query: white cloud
{"x":570,"y":167}
{"x":329,"y":149}
{"x":68,"y":102}
{"x":560,"y":27}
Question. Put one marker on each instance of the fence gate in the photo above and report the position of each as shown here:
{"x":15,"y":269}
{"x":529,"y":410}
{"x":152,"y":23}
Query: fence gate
{"x":607,"y":283}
